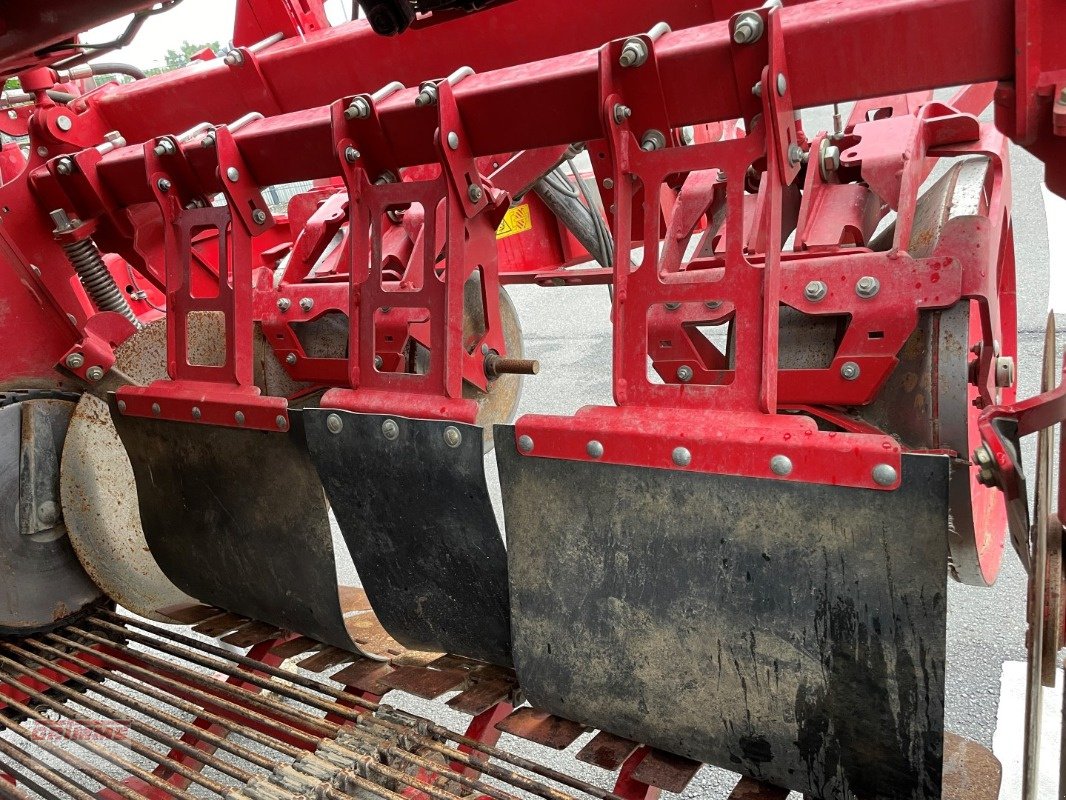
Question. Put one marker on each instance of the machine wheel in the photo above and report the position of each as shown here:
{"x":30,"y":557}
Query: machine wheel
{"x":42,"y":583}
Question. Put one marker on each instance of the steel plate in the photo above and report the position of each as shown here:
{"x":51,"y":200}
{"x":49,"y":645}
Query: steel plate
{"x":419,"y":523}
{"x":792,"y":632}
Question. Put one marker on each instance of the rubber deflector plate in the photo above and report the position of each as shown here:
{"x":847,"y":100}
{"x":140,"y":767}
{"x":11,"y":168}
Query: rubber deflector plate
{"x":238,"y":520}
{"x":793,"y":632}
{"x":419,"y":523}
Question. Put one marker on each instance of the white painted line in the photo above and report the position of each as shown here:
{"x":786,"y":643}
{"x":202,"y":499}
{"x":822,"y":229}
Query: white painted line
{"x":1055,"y":209}
{"x":1010,"y":732}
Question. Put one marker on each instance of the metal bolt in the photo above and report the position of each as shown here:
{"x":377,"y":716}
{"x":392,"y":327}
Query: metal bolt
{"x":795,"y":154}
{"x":390,"y":429}
{"x":196,"y":413}
{"x":453,"y":140}
{"x":867,"y":286}
{"x":306,"y":303}
{"x":334,"y":423}
{"x":75,"y":360}
{"x":233,"y":174}
{"x":525,"y":444}
{"x":713,"y":305}
{"x":982,"y":456}
{"x":351,"y":155}
{"x":757,"y":89}
{"x":163,"y":185}
{"x":850,"y":371}
{"x":48,"y":513}
{"x":608,"y":183}
{"x":782,"y":84}
{"x":748,"y":29}
{"x":64,"y":166}
{"x":815,"y":291}
{"x":474,"y":193}
{"x":427,"y":96}
{"x":239,"y":417}
{"x":94,"y":374}
{"x":885,"y":475}
{"x":781,"y":465}
{"x":164,"y":148}
{"x":830,"y":160}
{"x":156,"y":410}
{"x":259,"y":216}
{"x":64,"y":123}
{"x":284,"y":304}
{"x":359,"y":109}
{"x":12,"y":114}
{"x":621,"y":113}
{"x":452,"y":436}
{"x":1004,"y":372}
{"x":594,"y":449}
{"x":634,"y":53}
{"x":652,"y":140}
{"x":682,"y":457}
{"x":684,"y":374}
{"x":42,"y":151}
{"x":234,"y":58}
{"x":672,"y":306}
{"x":122,"y":406}
{"x":379,"y":362}
{"x":281,"y":422}
{"x":291,"y":359}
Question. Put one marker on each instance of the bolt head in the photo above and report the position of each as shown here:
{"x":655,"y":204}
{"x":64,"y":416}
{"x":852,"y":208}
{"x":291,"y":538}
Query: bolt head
{"x":284,"y":304}
{"x":850,"y":371}
{"x":196,"y":413}
{"x":122,"y":406}
{"x":290,"y":359}
{"x":748,"y":29}
{"x":156,"y":410}
{"x":390,"y":430}
{"x":782,"y":84}
{"x":75,"y":360}
{"x":359,"y":109}
{"x":163,"y":185}
{"x":453,"y":140}
{"x":239,"y":417}
{"x":781,"y":466}
{"x":608,"y":183}
{"x":281,"y":422}
{"x":672,"y":306}
{"x":94,"y":374}
{"x":64,"y":123}
{"x":757,"y":89}
{"x":830,"y":159}
{"x":867,"y":286}
{"x":525,"y":444}
{"x":795,"y":154}
{"x":684,"y":373}
{"x":259,"y":216}
{"x":306,"y":303}
{"x":594,"y":449}
{"x":334,"y":424}
{"x":681,"y":456}
{"x":48,"y":513}
{"x":885,"y":475}
{"x":233,"y":175}
{"x":474,"y":193}
{"x":815,"y":291}
{"x":64,"y":166}
{"x":452,"y":436}
{"x":379,"y":362}
{"x":351,"y":155}
{"x":622,"y":113}
{"x":713,"y":305}
{"x":982,"y":456}
{"x":634,"y":53}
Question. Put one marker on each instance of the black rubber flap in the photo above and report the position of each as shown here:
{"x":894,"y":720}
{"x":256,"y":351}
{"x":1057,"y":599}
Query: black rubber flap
{"x":793,"y":632}
{"x":411,"y":500}
{"x":237,"y":519}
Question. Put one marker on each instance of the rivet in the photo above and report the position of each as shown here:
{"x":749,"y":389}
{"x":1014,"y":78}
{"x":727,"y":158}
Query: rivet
{"x":452,"y":436}
{"x":334,"y":423}
{"x":525,"y":444}
{"x":196,"y":414}
{"x":782,"y":84}
{"x":390,"y":429}
{"x":233,"y":174}
{"x":156,"y":410}
{"x":281,"y":422}
{"x":682,"y":457}
{"x":453,"y":140}
{"x":239,"y":417}
{"x":885,"y":475}
{"x":122,"y":406}
{"x":781,"y":465}
{"x":594,"y":449}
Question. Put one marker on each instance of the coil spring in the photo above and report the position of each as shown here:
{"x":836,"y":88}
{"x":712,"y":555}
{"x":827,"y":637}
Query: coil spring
{"x":95,"y":277}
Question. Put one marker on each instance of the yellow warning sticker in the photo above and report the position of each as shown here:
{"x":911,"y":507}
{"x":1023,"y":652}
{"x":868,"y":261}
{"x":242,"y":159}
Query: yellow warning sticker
{"x":516,"y":220}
